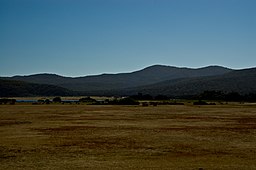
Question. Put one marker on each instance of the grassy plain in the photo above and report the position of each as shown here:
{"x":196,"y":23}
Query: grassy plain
{"x":127,"y":137}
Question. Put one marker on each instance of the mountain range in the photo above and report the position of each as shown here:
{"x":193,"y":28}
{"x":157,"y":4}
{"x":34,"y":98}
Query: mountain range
{"x":154,"y":80}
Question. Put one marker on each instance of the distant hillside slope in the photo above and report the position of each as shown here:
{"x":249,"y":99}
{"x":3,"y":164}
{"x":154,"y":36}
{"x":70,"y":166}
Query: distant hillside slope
{"x":12,"y":88}
{"x":149,"y":75}
{"x":153,"y":80}
{"x":242,"y":81}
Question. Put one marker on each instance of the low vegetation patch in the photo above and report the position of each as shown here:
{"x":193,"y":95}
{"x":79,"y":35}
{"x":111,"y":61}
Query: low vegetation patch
{"x":81,"y":136}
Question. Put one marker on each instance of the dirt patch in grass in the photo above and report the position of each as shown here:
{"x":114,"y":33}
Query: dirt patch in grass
{"x":13,"y":122}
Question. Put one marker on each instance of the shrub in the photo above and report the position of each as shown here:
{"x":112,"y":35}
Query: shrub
{"x":128,"y":101}
{"x":144,"y":104}
{"x":87,"y":100}
{"x":200,"y":102}
{"x":56,"y":99}
{"x":47,"y":101}
{"x":8,"y":101}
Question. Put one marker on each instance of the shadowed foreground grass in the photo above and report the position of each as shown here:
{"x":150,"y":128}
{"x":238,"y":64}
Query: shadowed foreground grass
{"x":127,"y":137}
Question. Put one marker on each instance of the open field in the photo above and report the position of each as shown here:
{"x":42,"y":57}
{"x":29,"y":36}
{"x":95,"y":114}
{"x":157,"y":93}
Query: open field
{"x":127,"y":137}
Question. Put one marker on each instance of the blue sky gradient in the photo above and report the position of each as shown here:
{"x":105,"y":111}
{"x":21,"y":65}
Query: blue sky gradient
{"x":85,"y":37}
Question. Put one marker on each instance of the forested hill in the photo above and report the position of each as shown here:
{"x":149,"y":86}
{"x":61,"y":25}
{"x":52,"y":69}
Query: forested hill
{"x":150,"y":75}
{"x":154,"y":80}
{"x":13,"y":88}
{"x":241,"y":81}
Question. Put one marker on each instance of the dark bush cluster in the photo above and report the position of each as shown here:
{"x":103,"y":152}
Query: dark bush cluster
{"x":141,"y":96}
{"x":124,"y":101}
{"x":230,"y":96}
{"x":200,"y":102}
{"x":43,"y":101}
{"x":7,"y":101}
{"x":87,"y":100}
{"x":57,"y":100}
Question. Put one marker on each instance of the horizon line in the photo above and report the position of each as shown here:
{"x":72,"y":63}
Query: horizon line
{"x":124,"y":72}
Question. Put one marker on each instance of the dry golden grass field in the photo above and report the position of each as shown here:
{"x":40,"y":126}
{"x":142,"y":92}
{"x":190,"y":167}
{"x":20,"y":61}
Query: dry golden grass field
{"x":127,"y":137}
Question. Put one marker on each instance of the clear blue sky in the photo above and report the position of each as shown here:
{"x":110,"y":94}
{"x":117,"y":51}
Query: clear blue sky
{"x":85,"y":37}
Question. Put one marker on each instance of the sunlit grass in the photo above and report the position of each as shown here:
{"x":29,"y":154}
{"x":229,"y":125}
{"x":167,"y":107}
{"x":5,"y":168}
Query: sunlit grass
{"x":127,"y":137}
